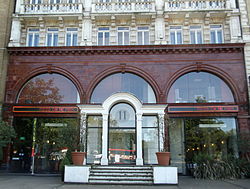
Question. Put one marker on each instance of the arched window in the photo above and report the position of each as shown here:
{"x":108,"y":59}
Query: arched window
{"x":48,"y":89}
{"x":123,"y":82}
{"x":199,"y":87}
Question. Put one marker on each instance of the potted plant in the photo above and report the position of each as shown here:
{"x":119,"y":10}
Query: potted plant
{"x":163,"y":156}
{"x":7,"y":133}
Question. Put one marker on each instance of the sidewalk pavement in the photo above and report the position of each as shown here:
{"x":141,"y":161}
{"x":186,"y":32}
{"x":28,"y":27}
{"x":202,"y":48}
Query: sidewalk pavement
{"x":8,"y":181}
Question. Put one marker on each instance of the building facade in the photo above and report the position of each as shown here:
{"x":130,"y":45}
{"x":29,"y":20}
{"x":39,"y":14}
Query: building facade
{"x":116,"y":69}
{"x":6,"y":10}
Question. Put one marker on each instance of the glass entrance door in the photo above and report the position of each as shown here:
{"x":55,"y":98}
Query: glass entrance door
{"x":122,"y":135}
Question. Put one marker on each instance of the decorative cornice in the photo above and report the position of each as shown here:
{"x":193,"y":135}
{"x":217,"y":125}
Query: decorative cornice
{"x":127,"y":50}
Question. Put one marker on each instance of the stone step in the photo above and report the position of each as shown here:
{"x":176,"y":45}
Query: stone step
{"x":128,"y":182}
{"x":118,"y":177}
{"x":121,"y":173}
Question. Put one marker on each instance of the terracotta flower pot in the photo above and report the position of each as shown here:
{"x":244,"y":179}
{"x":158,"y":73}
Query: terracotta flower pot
{"x":78,"y":157}
{"x":163,"y":158}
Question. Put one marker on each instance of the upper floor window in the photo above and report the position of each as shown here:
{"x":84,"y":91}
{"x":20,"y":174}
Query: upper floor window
{"x":33,"y":37}
{"x":103,"y":36}
{"x":35,"y":1}
{"x":123,"y":82}
{"x":55,"y":1}
{"x":175,"y":35}
{"x":200,"y":87}
{"x":216,"y":34}
{"x":71,"y":37}
{"x":143,"y":36}
{"x":52,"y":37}
{"x":123,"y":35}
{"x":195,"y":34}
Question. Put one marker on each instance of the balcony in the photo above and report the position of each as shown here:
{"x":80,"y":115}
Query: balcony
{"x":193,"y":5}
{"x":51,"y":8}
{"x":123,"y":6}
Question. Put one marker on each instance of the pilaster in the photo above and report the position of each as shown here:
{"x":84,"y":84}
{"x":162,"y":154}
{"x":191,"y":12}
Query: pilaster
{"x":139,"y":159}
{"x":104,"y":160}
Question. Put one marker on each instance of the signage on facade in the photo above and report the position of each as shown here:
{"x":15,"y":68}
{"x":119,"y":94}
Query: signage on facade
{"x":196,"y":109}
{"x":45,"y":109}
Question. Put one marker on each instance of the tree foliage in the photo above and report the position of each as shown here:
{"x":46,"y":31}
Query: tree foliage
{"x":40,"y":91}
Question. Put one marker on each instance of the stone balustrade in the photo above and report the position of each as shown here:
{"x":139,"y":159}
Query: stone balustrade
{"x":179,"y":5}
{"x":55,"y":8}
{"x":124,"y":6}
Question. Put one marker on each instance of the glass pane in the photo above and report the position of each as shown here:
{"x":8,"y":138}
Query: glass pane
{"x":122,"y":115}
{"x":53,"y":139}
{"x":213,"y":38}
{"x":215,"y":137}
{"x":94,"y":145}
{"x":74,"y":39}
{"x":49,"y":39}
{"x":47,"y":89}
{"x":126,"y":82}
{"x":36,"y":42}
{"x":100,"y":38}
{"x":122,"y":146}
{"x":146,"y":38}
{"x":139,"y":35}
{"x":68,"y":39}
{"x":179,"y":37}
{"x":219,"y":36}
{"x":106,"y":38}
{"x":126,"y":38}
{"x":172,"y":37}
{"x":199,"y":87}
{"x":199,"y":37}
{"x":55,"y":42}
{"x":120,"y":38}
{"x":30,"y":40}
{"x":94,"y":121}
{"x":192,"y":36}
{"x":149,"y":121}
{"x":150,"y":145}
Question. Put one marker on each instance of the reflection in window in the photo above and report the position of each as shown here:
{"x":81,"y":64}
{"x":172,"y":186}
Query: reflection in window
{"x":49,"y":88}
{"x":199,"y":87}
{"x":215,"y":137}
{"x":122,"y":138}
{"x":122,"y":115}
{"x":126,"y":82}
{"x":149,"y":139}
{"x":94,"y":139}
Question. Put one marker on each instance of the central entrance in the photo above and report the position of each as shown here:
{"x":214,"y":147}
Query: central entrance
{"x":122,"y":134}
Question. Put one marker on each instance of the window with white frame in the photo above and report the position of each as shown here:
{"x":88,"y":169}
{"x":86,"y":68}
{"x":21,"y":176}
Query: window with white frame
{"x":195,"y":34}
{"x":216,"y":34}
{"x":123,"y":35}
{"x":52,"y":37}
{"x":33,"y":37}
{"x":142,"y":35}
{"x":175,"y":35}
{"x":71,"y":36}
{"x":103,"y":36}
{"x":35,"y":1}
{"x":55,"y":1}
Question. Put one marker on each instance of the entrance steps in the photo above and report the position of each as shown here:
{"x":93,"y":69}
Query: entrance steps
{"x":121,"y":174}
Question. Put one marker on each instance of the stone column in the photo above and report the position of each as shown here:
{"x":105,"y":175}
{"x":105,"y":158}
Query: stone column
{"x":139,"y":160}
{"x":161,"y":131}
{"x":83,"y":128}
{"x":104,"y":160}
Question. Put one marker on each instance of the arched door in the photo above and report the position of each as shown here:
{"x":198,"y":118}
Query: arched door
{"x":122,"y":135}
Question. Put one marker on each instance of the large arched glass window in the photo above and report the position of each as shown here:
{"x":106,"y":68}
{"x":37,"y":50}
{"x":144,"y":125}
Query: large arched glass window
{"x":199,"y":87}
{"x":123,"y":82}
{"x":49,"y":89}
